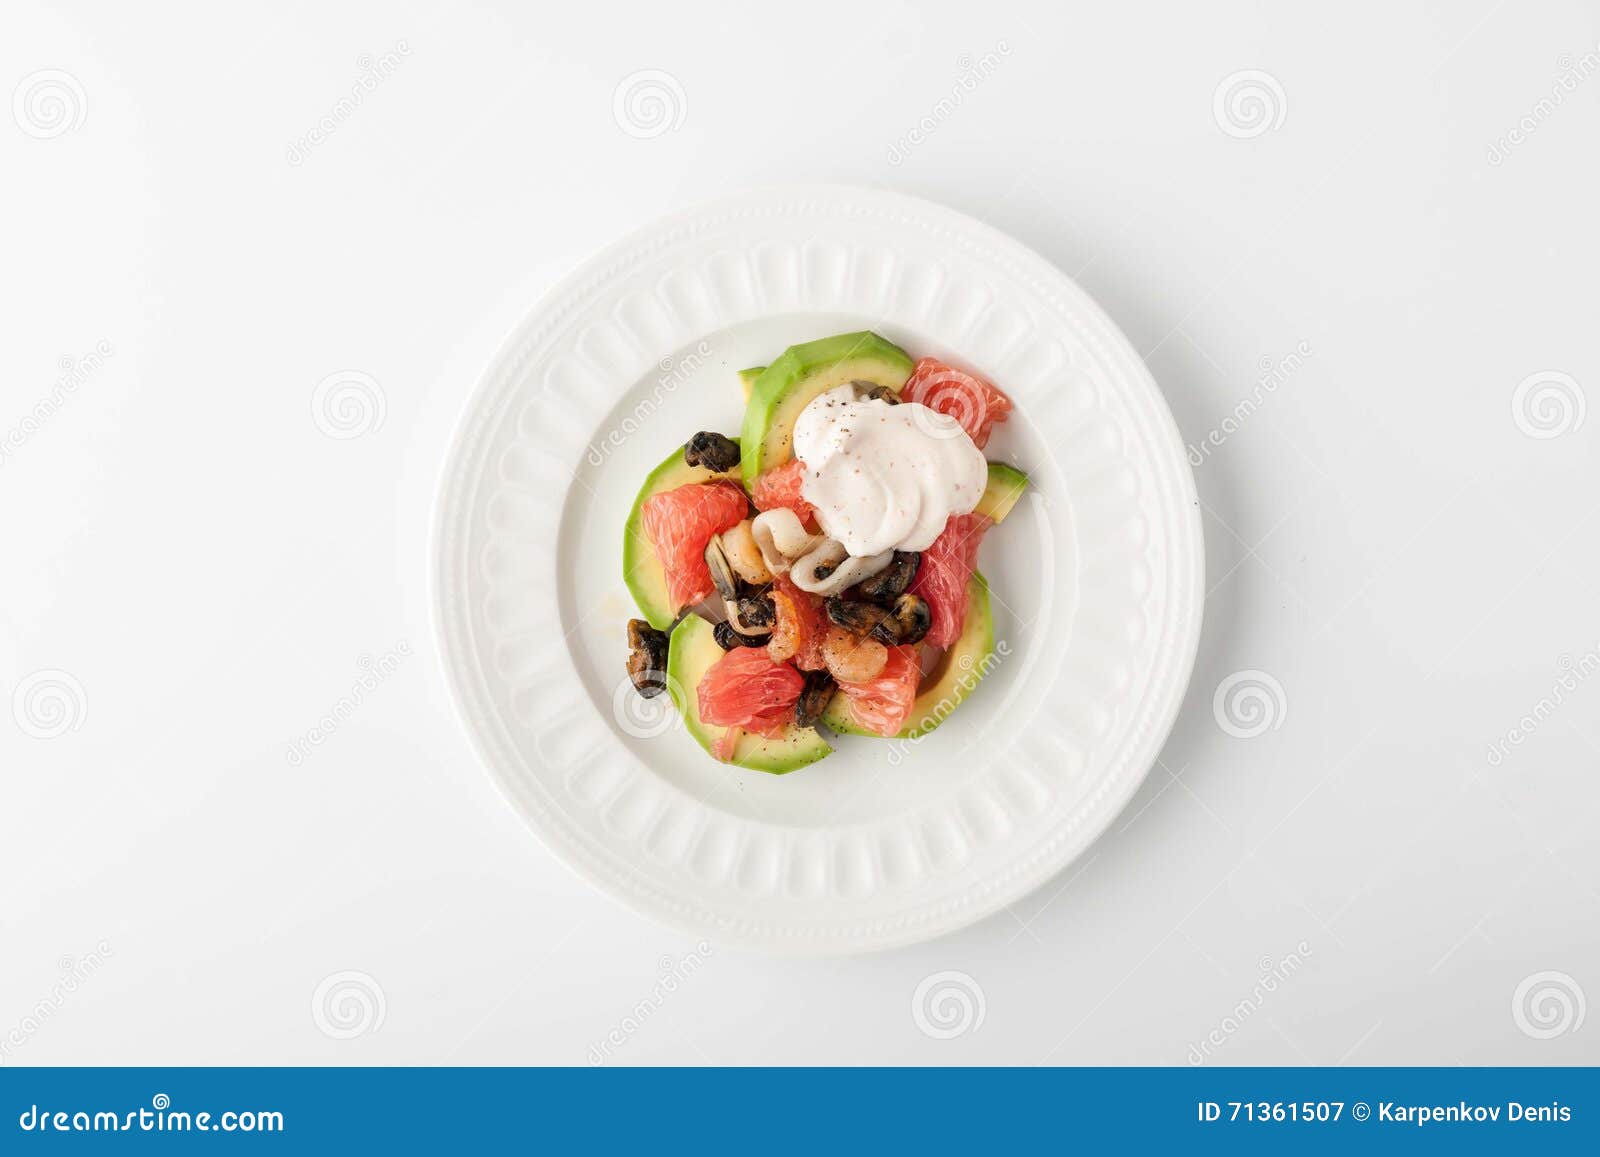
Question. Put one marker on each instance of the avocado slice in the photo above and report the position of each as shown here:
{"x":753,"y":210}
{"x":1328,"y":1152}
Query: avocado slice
{"x":641,"y":569}
{"x":1005,"y":487}
{"x":952,"y":679}
{"x":690,"y":651}
{"x":799,"y":374}
{"x":747,"y":380}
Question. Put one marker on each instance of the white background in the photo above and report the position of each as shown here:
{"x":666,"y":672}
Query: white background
{"x":1385,"y":538}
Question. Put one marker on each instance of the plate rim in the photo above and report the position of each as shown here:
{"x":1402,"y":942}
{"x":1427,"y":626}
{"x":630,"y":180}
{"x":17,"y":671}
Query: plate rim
{"x":1059,"y":847}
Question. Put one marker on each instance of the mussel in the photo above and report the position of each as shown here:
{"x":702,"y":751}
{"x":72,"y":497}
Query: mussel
{"x":857,"y":617}
{"x":814,"y":698}
{"x":905,"y":621}
{"x":722,"y":576}
{"x":748,"y":614}
{"x":712,"y":451}
{"x":757,"y":610}
{"x":912,"y":618}
{"x":893,"y":580}
{"x":727,"y":638}
{"x":647,"y":658}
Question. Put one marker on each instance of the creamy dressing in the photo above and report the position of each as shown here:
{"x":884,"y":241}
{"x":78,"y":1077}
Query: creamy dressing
{"x":885,"y":476}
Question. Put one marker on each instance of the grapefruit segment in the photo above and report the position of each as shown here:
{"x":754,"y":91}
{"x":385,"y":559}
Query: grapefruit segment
{"x":781,"y":487}
{"x":746,"y":689}
{"x":883,"y":704}
{"x":972,"y":401}
{"x":679,"y":524}
{"x":942,"y":578}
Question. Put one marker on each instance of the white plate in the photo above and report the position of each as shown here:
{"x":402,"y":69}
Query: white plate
{"x":1097,"y":576}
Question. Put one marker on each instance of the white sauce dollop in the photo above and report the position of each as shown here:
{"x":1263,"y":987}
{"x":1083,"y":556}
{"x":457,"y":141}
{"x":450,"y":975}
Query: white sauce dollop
{"x":885,"y":476}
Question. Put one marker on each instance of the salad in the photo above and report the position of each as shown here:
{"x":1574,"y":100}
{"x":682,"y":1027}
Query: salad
{"x":817,"y":574}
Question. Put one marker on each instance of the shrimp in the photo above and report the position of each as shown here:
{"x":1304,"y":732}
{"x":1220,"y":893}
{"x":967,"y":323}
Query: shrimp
{"x":744,"y":556}
{"x":850,"y":659}
{"x":788,"y":633}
